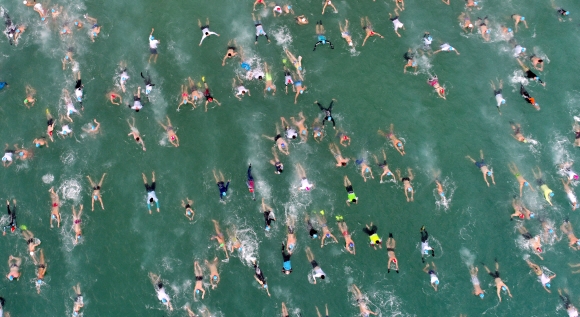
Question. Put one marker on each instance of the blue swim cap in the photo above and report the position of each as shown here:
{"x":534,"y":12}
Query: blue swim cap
{"x":164,"y":300}
{"x":267,"y":228}
{"x":64,"y":132}
{"x":151,"y":38}
{"x":509,"y":30}
{"x":488,"y":173}
{"x":551,"y":231}
{"x":39,"y":281}
{"x":551,"y":194}
{"x":567,"y":12}
{"x":503,"y":288}
{"x":300,"y":68}
{"x":301,"y":92}
{"x":329,"y":118}
{"x":314,"y":236}
{"x":523,"y":18}
{"x":197,"y":291}
{"x":436,"y":282}
{"x":3,"y":158}
{"x":37,"y":144}
{"x":289,"y":7}
{"x":532,"y":215}
{"x":79,"y":236}
{"x":76,"y":23}
{"x":429,"y":38}
{"x":246,"y":66}
{"x":503,"y":101}
{"x":10,"y":277}
{"x":240,"y":249}
{"x":548,"y":285}
{"x":96,"y":197}
{"x":53,"y":216}
{"x":523,"y":49}
{"x":526,"y":183}
{"x":426,"y":252}
{"x":223,"y":193}
{"x":268,"y":88}
{"x":215,"y":277}
{"x":43,"y":19}
{"x":21,"y":154}
{"x":351,"y":245}
{"x":410,"y":189}
{"x":475,"y":2}
{"x":287,"y":266}
{"x":481,"y":295}
{"x":265,"y":285}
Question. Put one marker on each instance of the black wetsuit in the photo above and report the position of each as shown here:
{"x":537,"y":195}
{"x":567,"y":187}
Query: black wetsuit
{"x":223,"y":189}
{"x":12,"y":214}
{"x":525,"y":93}
{"x":259,"y":275}
{"x":268,"y":218}
{"x":370,"y":231}
{"x":250,"y":181}
{"x":424,"y":236}
{"x":311,"y":230}
{"x":327,"y":113}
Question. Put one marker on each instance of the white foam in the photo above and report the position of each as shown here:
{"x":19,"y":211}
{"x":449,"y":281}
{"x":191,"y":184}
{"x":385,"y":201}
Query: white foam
{"x":67,"y":157}
{"x":466,"y":256}
{"x":48,"y":178}
{"x":70,"y":189}
{"x":282,"y":36}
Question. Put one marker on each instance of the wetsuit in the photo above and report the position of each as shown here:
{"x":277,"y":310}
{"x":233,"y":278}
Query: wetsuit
{"x":148,"y":84}
{"x":268,"y":218}
{"x":327,"y":113}
{"x":223,"y":189}
{"x":259,"y":275}
{"x":79,"y":91}
{"x":250,"y":181}
{"x":12,"y":214}
{"x":311,"y":231}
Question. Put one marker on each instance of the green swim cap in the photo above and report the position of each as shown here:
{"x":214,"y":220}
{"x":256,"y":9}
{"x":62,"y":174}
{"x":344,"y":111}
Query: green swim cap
{"x":284,"y":60}
{"x":23,"y":227}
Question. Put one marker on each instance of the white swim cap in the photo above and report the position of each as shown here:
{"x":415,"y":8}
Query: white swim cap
{"x":470,"y":25}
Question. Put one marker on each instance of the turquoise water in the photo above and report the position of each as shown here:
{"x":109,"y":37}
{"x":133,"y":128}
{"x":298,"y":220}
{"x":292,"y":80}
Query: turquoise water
{"x":123,"y":243}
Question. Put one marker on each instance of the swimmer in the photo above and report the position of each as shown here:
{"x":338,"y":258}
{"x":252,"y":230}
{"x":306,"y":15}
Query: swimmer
{"x":184,"y":98}
{"x":40,"y":142}
{"x":219,"y":237}
{"x":275,"y":9}
{"x":196,"y":95}
{"x":434,"y":82}
{"x":148,"y":84}
{"x":190,"y":312}
{"x":259,"y":29}
{"x":231,"y":51}
{"x":519,"y":51}
{"x":384,"y":166}
{"x":259,"y":2}
{"x":276,"y":162}
{"x":286,"y":263}
{"x":361,"y":302}
{"x":290,"y":235}
{"x":65,"y":30}
{"x":65,"y":131}
{"x":198,"y":281}
{"x":189,"y":212}
{"x":499,"y":284}
{"x":566,"y":170}
{"x":483,"y":168}
{"x":368,"y":28}
{"x":160,"y":290}
{"x":335,"y":151}
{"x":135,"y":133}
{"x":208,"y":97}
{"x":543,"y":278}
{"x":300,"y":125}
{"x":78,"y":304}
{"x":400,"y":4}
{"x":235,"y":243}
{"x":475,"y":281}
{"x":364,"y":168}
{"x":287,"y":79}
{"x":527,"y":97}
{"x":318,"y":130}
{"x":529,"y":74}
{"x":326,"y":3}
{"x":320,"y":35}
{"x":537,"y":61}
{"x":570,"y":309}
{"x":434,"y":280}
{"x":213,"y":272}
{"x":570,"y":193}
{"x":348,"y":242}
{"x":301,"y":20}
{"x":8,"y":157}
{"x":205,"y":30}
{"x":12,"y":215}
{"x":371,"y":230}
{"x":77,"y":224}
{"x":439,"y":187}
{"x":151,"y":196}
{"x":96,"y":29}
{"x":345,"y":33}
{"x":445,"y":47}
{"x":153,"y":47}
{"x":269,"y":86}
{"x":304,"y":183}
{"x":297,"y":62}
{"x":576,"y":128}
{"x":96,"y":192}
{"x":410,"y":61}
{"x":123,"y":76}
{"x":78,"y":23}
{"x":311,"y":231}
{"x":566,"y":228}
{"x":68,"y":58}
{"x":548,"y":193}
{"x":29,"y":100}
{"x":37,"y":6}
{"x":280,"y":141}
{"x":391,"y":244}
{"x":92,"y":128}
{"x":427,"y":40}
{"x":240,"y":90}
{"x":14,"y":266}
{"x":534,"y":242}
{"x":317,"y":272}
{"x":327,"y":113}
{"x":548,"y":232}
{"x":21,"y":153}
{"x":425,"y":248}
{"x":351,"y":195}
{"x":136,"y":101}
{"x":221,"y":184}
{"x":40,"y":271}
{"x":408,"y":188}
{"x":299,"y":89}
{"x":483,"y":29}
{"x":70,"y":108}
{"x":343,"y":137}
{"x":285,"y":310}
{"x":31,"y":242}
{"x":498,"y":94}
{"x":260,"y":278}
{"x":290,"y":132}
{"x":520,"y":211}
{"x":171,"y":136}
{"x":268,"y":215}
{"x":55,"y":207}
{"x":397,"y":144}
{"x":465,"y":22}
{"x":561,"y":12}
{"x":514,"y":170}
{"x":325,"y":231}
{"x":396,"y":23}
{"x":517,"y":19}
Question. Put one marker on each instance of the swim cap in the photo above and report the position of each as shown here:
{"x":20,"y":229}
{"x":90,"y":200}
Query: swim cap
{"x":550,"y":230}
{"x":503,"y":288}
{"x":509,"y":30}
{"x":314,"y":236}
{"x":300,"y":68}
{"x":487,"y":31}
{"x":475,"y":2}
{"x":53,"y":217}
{"x":96,"y":197}
{"x":351,"y":245}
{"x":567,"y":12}
{"x":39,"y":281}
{"x":197,"y":291}
{"x":523,"y":18}
{"x":21,"y":154}
{"x":488,"y":173}
{"x":4,"y":158}
{"x":532,"y":215}
{"x":268,"y":90}
{"x":76,"y":23}
{"x":164,"y":300}
{"x":64,"y":132}
{"x":436,"y":282}
{"x":526,"y":183}
{"x":551,"y":194}
{"x":503,"y":101}
{"x":52,"y":10}
{"x":37,"y":144}
{"x":470,"y":25}
{"x":43,"y":19}
{"x":430,"y":38}
{"x":267,"y":228}
{"x":215,"y":277}
{"x":224,"y":193}
{"x":481,"y":295}
{"x":151,"y":38}
{"x":301,"y":92}
{"x":578,"y":242}
{"x":265,"y":285}
{"x":575,"y":176}
{"x":79,"y":236}
{"x":426,"y":252}
{"x":10,"y":277}
{"x":523,"y":49}
{"x":548,"y":285}
{"x":410,"y":189}
{"x":328,"y":235}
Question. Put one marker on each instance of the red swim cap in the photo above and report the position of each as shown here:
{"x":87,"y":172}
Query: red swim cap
{"x":521,"y":216}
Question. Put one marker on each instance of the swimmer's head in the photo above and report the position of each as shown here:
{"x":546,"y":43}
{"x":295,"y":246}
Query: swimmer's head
{"x":470,"y":25}
{"x":328,"y":235}
{"x":436,"y":282}
{"x":509,"y":30}
{"x":38,"y":281}
{"x":488,"y":173}
{"x":224,"y":193}
{"x":503,"y":288}
{"x":20,"y":153}
{"x":215,"y":277}
{"x":503,"y":101}
{"x":351,"y":245}
{"x":151,"y":200}
{"x":79,"y":236}
{"x":164,"y":301}
{"x":481,"y":295}
{"x":551,"y":194}
{"x":526,"y":184}
{"x":522,"y":18}
{"x":523,"y":49}
{"x":197,"y":291}
{"x":151,"y":38}
{"x":548,"y":285}
{"x":567,"y":13}
{"x":95,"y":197}
{"x":532,"y":215}
{"x":314,"y":236}
{"x":551,"y":230}
{"x":4,"y":159}
{"x":267,"y":228}
{"x":10,"y":277}
{"x":410,"y":189}
{"x":575,"y":177}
